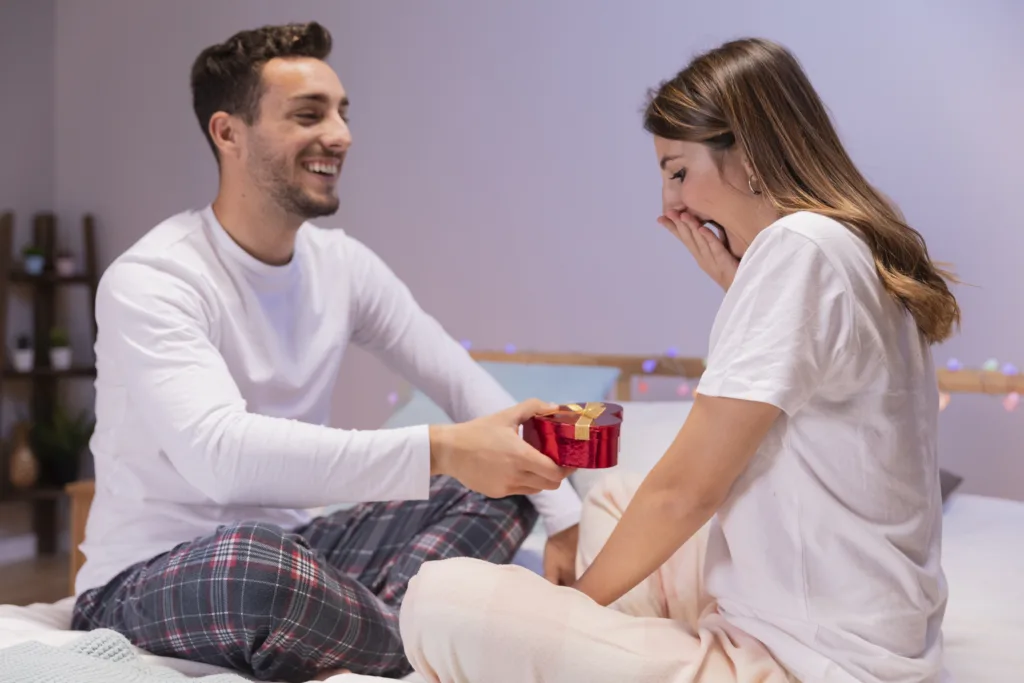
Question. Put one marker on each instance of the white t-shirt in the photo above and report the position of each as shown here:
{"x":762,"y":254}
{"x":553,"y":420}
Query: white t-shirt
{"x":214,"y":385}
{"x":828,"y":547}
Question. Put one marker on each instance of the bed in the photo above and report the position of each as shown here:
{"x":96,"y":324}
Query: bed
{"x":983,"y":554}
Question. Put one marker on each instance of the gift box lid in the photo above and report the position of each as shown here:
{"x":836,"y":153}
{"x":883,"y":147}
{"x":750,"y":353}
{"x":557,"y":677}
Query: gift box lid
{"x":600,"y":415}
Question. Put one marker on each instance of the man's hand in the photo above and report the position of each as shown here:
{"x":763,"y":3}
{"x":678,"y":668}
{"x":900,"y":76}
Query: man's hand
{"x":560,"y":557}
{"x":487,"y":454}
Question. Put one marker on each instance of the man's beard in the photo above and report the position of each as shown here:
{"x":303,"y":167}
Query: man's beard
{"x":272,"y":175}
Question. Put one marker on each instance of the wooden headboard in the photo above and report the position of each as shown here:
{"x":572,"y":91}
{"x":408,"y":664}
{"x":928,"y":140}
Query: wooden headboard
{"x":631,"y":367}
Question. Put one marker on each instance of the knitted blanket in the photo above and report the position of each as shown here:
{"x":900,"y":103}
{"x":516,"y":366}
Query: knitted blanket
{"x":100,"y":656}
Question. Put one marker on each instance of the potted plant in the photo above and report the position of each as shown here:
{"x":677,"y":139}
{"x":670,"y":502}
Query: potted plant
{"x":24,"y":357}
{"x":60,"y":349}
{"x":58,"y":445}
{"x":34,"y":260}
{"x":65,"y":263}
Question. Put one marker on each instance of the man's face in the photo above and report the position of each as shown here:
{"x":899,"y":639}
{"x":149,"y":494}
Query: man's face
{"x":295,"y":149}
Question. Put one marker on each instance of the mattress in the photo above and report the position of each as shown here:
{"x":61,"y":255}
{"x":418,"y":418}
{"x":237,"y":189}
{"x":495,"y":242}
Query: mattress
{"x":983,"y":558}
{"x":49,"y":624}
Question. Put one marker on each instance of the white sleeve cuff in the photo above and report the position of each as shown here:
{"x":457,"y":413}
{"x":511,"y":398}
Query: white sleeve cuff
{"x":417,"y":477}
{"x":559,"y":509}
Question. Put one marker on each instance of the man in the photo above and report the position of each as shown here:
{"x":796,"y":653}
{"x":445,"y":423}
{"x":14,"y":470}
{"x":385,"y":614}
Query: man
{"x":220,"y":336}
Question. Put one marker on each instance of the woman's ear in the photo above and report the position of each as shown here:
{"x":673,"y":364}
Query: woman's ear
{"x":738,"y":171}
{"x":753,"y":183}
{"x":748,"y":170}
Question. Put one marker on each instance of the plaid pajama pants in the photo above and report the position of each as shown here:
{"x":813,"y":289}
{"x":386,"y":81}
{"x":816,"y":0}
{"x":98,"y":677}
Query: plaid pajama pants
{"x":287,"y":605}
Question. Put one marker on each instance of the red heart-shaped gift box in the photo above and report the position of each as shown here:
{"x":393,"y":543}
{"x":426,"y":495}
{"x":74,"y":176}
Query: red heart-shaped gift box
{"x":578,"y":435}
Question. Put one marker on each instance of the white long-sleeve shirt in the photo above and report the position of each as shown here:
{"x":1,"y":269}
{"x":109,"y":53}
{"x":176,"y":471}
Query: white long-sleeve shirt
{"x":215,"y":373}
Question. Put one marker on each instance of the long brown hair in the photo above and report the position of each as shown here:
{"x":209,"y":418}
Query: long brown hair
{"x":753,"y":93}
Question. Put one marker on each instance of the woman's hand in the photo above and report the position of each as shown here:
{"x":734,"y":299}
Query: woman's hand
{"x":560,"y":557}
{"x":706,"y":247}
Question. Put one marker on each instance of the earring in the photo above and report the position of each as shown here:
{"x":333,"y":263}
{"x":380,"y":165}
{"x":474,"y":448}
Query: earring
{"x":750,"y":184}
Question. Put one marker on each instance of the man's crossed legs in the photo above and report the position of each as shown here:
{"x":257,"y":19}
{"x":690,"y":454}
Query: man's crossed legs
{"x":287,"y":605}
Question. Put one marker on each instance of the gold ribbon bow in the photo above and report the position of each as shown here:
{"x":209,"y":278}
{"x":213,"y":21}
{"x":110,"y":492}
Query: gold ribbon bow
{"x":588,"y":414}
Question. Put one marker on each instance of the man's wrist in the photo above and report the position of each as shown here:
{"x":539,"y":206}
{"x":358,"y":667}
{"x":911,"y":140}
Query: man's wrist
{"x":441,"y":440}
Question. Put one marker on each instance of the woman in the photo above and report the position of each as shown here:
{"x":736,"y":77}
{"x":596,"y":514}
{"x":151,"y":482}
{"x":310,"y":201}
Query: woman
{"x":792,"y":530}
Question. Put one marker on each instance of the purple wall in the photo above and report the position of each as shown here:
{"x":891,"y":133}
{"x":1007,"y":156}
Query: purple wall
{"x":499,"y":164}
{"x":27,"y":160}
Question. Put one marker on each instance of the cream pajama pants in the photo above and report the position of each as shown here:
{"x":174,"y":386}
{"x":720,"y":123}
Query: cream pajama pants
{"x":468,"y":621}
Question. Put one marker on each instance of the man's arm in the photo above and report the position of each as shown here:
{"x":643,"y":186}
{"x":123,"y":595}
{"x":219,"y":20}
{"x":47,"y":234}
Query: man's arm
{"x":155,"y":326}
{"x":390,"y":323}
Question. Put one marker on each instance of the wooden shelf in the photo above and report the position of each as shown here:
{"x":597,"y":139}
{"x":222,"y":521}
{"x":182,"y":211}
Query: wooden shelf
{"x":49,"y":277}
{"x":74,"y":371}
{"x":43,"y":383}
{"x":36,"y":494}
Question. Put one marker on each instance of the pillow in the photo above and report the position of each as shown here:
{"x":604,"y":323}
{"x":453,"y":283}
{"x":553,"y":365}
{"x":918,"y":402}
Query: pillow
{"x":948,"y":483}
{"x":556,"y":383}
{"x":648,"y":429}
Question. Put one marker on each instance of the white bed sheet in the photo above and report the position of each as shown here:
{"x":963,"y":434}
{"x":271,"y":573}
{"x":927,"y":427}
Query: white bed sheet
{"x":983,"y":556}
{"x":50,"y":624}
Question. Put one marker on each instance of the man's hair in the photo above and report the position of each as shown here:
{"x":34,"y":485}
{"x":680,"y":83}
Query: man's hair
{"x":227,"y":76}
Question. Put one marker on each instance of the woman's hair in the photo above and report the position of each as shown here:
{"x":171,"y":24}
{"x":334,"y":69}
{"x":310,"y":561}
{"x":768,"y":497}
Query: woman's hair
{"x":753,"y":93}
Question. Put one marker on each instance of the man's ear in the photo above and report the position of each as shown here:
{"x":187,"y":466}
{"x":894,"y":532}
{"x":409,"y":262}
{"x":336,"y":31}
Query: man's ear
{"x":228,"y":133}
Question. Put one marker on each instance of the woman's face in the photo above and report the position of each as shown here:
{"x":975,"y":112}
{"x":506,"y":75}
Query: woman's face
{"x":710,"y":186}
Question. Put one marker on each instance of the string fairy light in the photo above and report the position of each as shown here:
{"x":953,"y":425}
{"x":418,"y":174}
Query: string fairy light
{"x":1010,"y":401}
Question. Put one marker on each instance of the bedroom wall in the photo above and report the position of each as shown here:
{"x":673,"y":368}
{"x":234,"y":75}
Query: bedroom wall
{"x":26,"y":147}
{"x":499,"y":165}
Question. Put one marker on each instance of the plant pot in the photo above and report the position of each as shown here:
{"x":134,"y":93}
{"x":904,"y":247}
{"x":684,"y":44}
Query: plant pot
{"x":60,"y":358}
{"x":23,"y":360}
{"x":65,"y":266}
{"x":34,"y":264}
